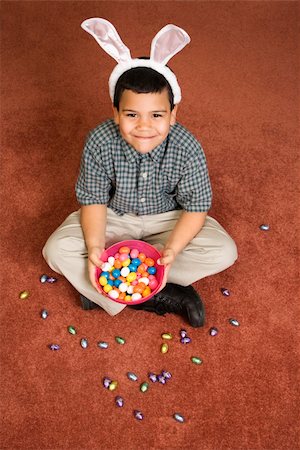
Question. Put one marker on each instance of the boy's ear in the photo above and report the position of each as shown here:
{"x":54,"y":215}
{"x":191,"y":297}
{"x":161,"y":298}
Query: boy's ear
{"x":116,"y":115}
{"x":173,"y":115}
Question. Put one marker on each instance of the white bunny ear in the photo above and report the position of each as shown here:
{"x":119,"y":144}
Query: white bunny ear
{"x":108,"y":38}
{"x":168,"y":41}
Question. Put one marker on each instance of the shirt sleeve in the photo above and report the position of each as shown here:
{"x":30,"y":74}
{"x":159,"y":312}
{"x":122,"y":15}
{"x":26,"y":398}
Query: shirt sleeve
{"x":194,"y":192}
{"x":93,"y":185}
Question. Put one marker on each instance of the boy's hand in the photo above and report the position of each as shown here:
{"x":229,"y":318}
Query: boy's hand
{"x":166,"y":259}
{"x":93,"y":262}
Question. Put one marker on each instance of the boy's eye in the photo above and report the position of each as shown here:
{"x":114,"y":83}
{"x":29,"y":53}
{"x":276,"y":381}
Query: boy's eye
{"x":130,"y":115}
{"x":157,"y":115}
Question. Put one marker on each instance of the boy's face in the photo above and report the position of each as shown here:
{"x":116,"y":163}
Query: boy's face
{"x":144,"y":119}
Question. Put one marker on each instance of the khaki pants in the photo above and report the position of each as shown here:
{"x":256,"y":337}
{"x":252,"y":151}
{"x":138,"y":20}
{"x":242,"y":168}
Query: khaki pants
{"x":210,"y":252}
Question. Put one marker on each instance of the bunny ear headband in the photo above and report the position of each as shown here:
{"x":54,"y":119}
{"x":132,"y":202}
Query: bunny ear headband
{"x":168,"y":41}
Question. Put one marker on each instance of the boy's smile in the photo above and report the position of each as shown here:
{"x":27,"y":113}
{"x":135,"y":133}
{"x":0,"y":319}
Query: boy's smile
{"x":144,"y":119}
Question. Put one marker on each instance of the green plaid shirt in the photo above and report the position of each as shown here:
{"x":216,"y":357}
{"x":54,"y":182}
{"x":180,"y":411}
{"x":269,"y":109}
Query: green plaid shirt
{"x":172,"y":176}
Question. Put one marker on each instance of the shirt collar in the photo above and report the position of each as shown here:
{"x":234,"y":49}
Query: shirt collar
{"x":133,"y":156}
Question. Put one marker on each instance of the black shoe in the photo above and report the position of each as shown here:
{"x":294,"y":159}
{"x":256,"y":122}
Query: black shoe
{"x":173,"y":298}
{"x":87,"y":304}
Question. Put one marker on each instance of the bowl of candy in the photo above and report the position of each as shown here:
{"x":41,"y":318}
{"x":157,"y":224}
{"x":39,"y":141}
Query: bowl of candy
{"x":130,"y":273}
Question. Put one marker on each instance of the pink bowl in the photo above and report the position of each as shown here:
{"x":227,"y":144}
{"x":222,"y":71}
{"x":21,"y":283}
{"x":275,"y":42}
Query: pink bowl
{"x":142,"y":247}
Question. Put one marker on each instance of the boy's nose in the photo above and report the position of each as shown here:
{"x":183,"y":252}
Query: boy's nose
{"x":143,"y":123}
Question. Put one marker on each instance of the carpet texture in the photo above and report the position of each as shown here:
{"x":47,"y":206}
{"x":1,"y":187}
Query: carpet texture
{"x":240,"y":84}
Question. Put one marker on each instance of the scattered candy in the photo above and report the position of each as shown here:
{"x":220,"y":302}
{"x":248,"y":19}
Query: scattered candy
{"x":185,"y":340}
{"x":23,"y":295}
{"x":264,"y":227}
{"x":44,"y":314}
{"x":113,"y":385}
{"x":213,"y":331}
{"x":164,"y":348}
{"x":166,"y":374}
{"x":54,"y":347}
{"x":234,"y":322}
{"x":132,"y":376}
{"x":183,"y":333}
{"x":84,"y":343}
{"x":161,"y":379}
{"x":196,"y":360}
{"x":106,"y":382}
{"x":225,"y":292}
{"x":178,"y":417}
{"x":167,"y":336}
{"x":152,"y":377}
{"x":119,"y":401}
{"x":138,"y":414}
{"x":103,"y":344}
{"x":144,"y":387}
{"x":43,"y":278}
{"x":51,"y":280}
{"x":71,"y":330}
{"x":120,"y":340}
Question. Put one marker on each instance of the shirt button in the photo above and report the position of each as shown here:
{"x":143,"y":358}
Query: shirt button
{"x":142,"y":199}
{"x":144,"y":175}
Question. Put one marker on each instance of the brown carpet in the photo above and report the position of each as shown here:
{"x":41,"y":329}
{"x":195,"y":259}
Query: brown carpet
{"x":240,"y":83}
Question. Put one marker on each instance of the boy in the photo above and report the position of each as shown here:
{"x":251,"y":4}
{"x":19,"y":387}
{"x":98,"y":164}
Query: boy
{"x":142,"y":176}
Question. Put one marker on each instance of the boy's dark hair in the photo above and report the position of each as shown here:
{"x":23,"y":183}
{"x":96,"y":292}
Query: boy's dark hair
{"x":142,"y":80}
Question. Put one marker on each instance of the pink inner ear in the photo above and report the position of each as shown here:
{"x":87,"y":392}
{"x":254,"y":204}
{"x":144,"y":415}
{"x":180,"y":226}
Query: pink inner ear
{"x":169,"y":41}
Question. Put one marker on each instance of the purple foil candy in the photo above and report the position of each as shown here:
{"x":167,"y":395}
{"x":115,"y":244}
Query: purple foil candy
{"x":51,"y":280}
{"x":213,"y":331}
{"x":161,"y":379}
{"x":166,"y":374}
{"x":119,"y":401}
{"x":106,"y":382}
{"x":138,"y":414}
{"x":183,"y":333}
{"x":185,"y":340}
{"x":54,"y":347}
{"x":152,"y":377}
{"x":225,"y":292}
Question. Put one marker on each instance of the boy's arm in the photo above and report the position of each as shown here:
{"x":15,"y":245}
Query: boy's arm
{"x":188,"y":226}
{"x":93,"y":223}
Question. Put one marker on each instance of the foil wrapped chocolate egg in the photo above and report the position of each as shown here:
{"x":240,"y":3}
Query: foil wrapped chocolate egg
{"x":152,"y":377}
{"x":119,"y":401}
{"x":264,"y":227}
{"x":234,"y":322}
{"x":84,"y":343}
{"x":144,"y":387}
{"x":132,"y":376}
{"x":225,"y":292}
{"x":44,"y":314}
{"x":167,"y":336}
{"x":102,"y":344}
{"x":43,"y":278}
{"x":54,"y":347}
{"x":196,"y":360}
{"x":113,"y":386}
{"x":161,"y":379}
{"x":120,"y":340}
{"x":71,"y":330}
{"x":179,"y":417}
{"x":213,"y":331}
{"x":23,"y":295}
{"x":166,"y":374}
{"x":164,"y":348}
{"x":185,"y":340}
{"x":138,"y":414}
{"x":106,"y":382}
{"x":183,"y":333}
{"x":51,"y":280}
